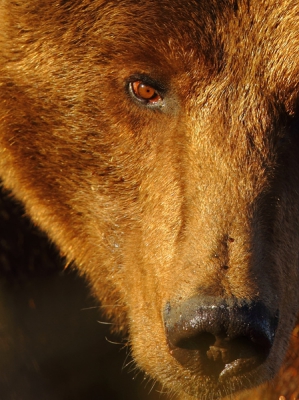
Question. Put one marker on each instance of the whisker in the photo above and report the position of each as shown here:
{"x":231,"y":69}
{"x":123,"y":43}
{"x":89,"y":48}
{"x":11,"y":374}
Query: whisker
{"x":105,"y":323}
{"x":99,"y":306}
{"x":110,"y":341}
{"x":128,"y":354}
{"x":128,"y":364}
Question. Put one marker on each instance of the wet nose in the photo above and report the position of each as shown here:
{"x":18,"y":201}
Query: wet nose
{"x":220,"y":338}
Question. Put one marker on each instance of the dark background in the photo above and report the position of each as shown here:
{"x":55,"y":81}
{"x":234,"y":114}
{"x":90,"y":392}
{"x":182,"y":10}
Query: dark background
{"x":52,"y":346}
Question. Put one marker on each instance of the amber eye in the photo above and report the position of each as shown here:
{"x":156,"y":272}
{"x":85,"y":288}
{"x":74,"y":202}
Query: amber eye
{"x":145,"y":92}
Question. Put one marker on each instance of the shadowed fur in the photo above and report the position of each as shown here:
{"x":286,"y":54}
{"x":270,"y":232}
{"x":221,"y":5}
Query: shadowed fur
{"x":193,"y":197}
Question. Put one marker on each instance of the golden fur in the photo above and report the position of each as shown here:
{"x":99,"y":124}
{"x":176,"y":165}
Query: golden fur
{"x":145,"y":200}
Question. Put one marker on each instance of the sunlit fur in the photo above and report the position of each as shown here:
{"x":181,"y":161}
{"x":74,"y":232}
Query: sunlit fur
{"x":144,"y":199}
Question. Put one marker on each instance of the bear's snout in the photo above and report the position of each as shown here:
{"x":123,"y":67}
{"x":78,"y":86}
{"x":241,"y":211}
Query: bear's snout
{"x":220,"y":338}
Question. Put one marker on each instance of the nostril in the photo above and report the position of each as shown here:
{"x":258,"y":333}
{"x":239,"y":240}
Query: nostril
{"x":201,"y":341}
{"x":220,"y":338}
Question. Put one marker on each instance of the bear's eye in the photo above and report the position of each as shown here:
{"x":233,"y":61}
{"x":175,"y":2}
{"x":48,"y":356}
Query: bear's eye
{"x":145,"y":93}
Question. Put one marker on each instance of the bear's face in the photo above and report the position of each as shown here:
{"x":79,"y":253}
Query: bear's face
{"x":157,"y":143}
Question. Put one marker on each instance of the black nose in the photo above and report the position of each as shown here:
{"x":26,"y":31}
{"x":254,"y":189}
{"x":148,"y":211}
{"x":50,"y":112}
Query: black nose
{"x":220,"y":338}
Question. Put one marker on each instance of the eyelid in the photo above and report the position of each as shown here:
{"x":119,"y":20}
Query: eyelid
{"x":147,"y":80}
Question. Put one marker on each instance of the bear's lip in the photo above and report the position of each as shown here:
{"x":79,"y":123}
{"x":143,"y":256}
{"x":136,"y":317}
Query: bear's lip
{"x":226,"y":384}
{"x":234,"y":378}
{"x":237,"y":367}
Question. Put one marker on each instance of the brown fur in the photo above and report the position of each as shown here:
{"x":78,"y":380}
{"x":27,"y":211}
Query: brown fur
{"x":145,"y":200}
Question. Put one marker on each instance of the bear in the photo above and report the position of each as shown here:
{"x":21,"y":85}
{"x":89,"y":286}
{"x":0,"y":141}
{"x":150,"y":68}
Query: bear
{"x":156,"y":143}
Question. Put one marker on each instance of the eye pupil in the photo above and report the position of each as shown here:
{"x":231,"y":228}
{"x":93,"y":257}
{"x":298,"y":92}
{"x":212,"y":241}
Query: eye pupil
{"x":145,"y":92}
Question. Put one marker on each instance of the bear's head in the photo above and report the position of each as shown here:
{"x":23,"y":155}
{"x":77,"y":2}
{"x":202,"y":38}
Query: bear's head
{"x":156,"y":142}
